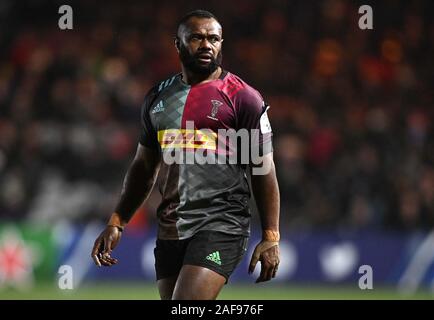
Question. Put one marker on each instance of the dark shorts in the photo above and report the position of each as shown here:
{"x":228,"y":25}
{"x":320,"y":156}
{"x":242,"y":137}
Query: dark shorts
{"x":213,"y":250}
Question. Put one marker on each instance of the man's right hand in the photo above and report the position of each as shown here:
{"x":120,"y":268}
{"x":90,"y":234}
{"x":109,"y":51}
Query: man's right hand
{"x":104,"y":244}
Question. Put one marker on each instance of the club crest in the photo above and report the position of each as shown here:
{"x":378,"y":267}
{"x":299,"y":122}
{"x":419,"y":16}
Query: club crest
{"x":215,"y":104}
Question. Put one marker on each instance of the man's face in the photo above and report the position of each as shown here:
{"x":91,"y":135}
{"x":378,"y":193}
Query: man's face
{"x":200,"y":44}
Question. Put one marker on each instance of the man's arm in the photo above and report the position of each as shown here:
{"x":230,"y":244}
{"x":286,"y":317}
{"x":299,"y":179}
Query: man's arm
{"x":137,"y":186}
{"x":138,"y":182}
{"x":266,"y":191}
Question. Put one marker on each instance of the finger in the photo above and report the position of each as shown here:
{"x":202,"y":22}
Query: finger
{"x":111,"y":260}
{"x":104,"y":261}
{"x":253,"y":262}
{"x":96,"y":260}
{"x":263,"y":272}
{"x":269,"y":273}
{"x":275,"y":270}
{"x":96,"y":246}
{"x":107,"y":245}
{"x":95,"y":250}
{"x":101,"y":246}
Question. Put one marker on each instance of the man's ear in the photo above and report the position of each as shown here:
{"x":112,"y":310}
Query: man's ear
{"x":177,"y":43}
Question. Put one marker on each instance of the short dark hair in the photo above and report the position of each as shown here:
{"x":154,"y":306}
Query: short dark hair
{"x":196,"y":13}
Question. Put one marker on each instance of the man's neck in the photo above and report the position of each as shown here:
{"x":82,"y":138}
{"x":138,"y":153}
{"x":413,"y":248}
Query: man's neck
{"x":191,"y":78}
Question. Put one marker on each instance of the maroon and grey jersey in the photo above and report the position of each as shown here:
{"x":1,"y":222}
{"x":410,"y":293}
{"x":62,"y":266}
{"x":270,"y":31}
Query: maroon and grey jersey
{"x":185,"y":123}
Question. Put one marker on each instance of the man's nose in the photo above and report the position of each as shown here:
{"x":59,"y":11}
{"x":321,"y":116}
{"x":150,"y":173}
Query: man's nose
{"x":205,"y":44}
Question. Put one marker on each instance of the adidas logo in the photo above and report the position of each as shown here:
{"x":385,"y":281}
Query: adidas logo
{"x":158,"y":108}
{"x":214,"y":257}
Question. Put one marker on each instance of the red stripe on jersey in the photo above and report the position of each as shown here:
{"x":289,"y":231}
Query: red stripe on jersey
{"x":231,"y":85}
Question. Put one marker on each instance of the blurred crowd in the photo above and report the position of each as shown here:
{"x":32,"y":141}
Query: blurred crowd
{"x":352,"y":110}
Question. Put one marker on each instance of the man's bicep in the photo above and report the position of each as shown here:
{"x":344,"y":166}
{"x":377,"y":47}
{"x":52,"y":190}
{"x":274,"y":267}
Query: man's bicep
{"x":148,"y":135}
{"x":252,"y":115}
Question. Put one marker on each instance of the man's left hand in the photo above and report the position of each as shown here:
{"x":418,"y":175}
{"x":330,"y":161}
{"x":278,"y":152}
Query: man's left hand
{"x":268,"y":253}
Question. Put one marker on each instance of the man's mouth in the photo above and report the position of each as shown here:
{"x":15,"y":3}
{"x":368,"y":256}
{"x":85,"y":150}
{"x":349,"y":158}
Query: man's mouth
{"x":204,"y":58}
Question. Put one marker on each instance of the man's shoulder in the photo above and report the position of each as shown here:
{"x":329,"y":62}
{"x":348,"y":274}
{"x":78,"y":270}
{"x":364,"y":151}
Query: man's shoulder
{"x":236,"y":88}
{"x":162,"y":85}
{"x":158,"y":88}
{"x":166,"y":83}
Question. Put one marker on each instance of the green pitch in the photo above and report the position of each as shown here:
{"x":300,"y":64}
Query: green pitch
{"x":232,"y":291}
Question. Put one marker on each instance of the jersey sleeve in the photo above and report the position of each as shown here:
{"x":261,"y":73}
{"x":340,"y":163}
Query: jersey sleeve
{"x":252,"y":115}
{"x":148,"y":135}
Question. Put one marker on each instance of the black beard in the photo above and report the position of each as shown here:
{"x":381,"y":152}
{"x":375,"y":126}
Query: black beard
{"x":191,"y":63}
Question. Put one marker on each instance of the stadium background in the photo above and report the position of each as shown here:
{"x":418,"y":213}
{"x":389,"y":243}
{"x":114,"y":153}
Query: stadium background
{"x":352,"y":115}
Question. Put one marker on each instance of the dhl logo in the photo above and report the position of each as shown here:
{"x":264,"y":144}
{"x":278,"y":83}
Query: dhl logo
{"x":187,"y":139}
